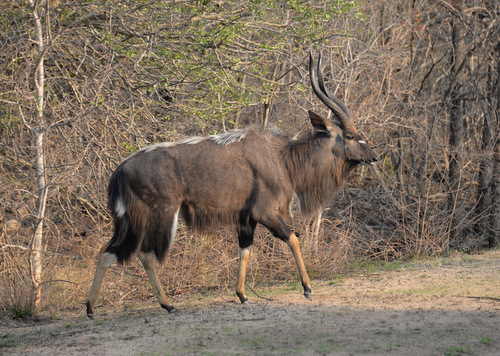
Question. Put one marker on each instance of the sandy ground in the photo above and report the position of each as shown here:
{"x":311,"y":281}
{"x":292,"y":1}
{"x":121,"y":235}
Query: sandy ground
{"x":445,"y":306}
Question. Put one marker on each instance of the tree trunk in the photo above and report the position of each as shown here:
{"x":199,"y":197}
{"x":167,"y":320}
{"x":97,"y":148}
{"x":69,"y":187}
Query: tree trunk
{"x":269,"y":98}
{"x":455,"y":110}
{"x":494,"y":236}
{"x":483,"y":208}
{"x":455,"y":168}
{"x":36,"y":248}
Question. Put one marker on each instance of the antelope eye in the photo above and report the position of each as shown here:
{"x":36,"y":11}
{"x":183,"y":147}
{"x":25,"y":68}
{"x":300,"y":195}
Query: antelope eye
{"x":349,"y":137}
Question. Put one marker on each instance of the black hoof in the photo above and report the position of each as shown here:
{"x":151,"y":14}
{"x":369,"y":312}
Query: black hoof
{"x":243,"y":298}
{"x":308,"y":295}
{"x":90,"y":312}
{"x":170,"y":308}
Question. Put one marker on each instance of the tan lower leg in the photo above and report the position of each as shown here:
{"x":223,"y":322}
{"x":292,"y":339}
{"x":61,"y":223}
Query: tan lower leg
{"x":105,"y":260}
{"x":242,"y":271}
{"x":293,"y":243}
{"x":148,"y":261}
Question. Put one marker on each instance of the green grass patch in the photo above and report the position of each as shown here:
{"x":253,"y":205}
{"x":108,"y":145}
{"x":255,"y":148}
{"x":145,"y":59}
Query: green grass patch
{"x":336,"y":280}
{"x":20,"y":312}
{"x":7,"y":342}
{"x":457,"y":350}
{"x":488,"y":341}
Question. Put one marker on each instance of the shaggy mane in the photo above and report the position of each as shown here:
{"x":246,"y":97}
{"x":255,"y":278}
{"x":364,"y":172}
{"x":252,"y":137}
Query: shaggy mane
{"x":315,"y":181}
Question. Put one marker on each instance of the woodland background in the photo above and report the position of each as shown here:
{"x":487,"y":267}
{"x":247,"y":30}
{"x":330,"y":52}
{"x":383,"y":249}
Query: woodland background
{"x":85,"y":83}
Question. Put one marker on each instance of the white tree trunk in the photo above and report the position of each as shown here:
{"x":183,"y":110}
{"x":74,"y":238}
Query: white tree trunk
{"x":36,"y":248}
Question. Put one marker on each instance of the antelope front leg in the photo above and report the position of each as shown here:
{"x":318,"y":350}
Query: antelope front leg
{"x":293,"y":243}
{"x":242,"y":271}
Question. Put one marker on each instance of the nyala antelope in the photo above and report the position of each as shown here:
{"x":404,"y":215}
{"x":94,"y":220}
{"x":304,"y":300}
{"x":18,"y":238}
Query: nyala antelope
{"x":243,"y":178}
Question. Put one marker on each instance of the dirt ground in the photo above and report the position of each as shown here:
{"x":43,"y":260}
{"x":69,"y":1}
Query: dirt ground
{"x":443,"y":306}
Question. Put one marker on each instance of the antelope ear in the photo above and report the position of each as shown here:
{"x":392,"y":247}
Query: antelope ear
{"x":318,"y":122}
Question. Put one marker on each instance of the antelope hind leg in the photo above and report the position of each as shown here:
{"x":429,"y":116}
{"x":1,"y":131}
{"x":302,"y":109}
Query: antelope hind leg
{"x":148,"y":261}
{"x":105,"y":260}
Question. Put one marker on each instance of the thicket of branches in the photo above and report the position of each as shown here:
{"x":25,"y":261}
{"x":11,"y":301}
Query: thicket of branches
{"x":421,"y":78}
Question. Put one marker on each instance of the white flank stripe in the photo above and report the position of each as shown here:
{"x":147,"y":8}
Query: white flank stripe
{"x":120,"y":208}
{"x":173,"y":229}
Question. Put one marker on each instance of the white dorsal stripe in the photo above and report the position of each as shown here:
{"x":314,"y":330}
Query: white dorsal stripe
{"x":228,"y":137}
{"x":223,"y":139}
